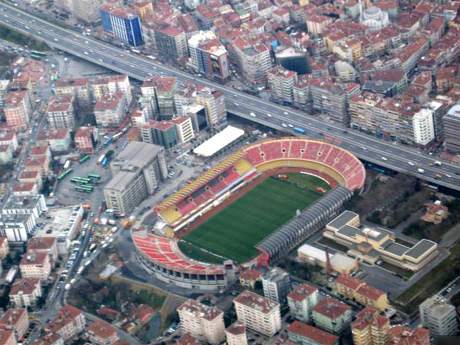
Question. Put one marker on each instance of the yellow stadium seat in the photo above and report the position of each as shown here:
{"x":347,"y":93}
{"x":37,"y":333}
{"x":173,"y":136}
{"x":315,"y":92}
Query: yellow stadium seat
{"x":243,"y":166}
{"x":170,"y":215}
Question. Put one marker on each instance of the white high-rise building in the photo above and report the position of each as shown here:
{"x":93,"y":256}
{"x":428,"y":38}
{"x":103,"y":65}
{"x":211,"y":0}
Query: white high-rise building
{"x":423,"y":126}
{"x":276,"y":284}
{"x":258,"y":313}
{"x":202,"y":321}
{"x":438,"y":316}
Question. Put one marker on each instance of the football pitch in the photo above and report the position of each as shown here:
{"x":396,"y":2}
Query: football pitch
{"x":234,"y":231}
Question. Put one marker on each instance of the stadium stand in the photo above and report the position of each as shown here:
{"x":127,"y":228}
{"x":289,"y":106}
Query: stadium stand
{"x":162,"y":257}
{"x":310,"y":220}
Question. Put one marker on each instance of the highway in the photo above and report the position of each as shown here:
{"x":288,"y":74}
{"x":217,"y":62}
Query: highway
{"x":390,"y":155}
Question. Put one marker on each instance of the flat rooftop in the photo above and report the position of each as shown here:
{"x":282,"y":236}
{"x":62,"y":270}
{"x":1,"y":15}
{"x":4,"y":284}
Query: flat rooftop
{"x":216,"y":143}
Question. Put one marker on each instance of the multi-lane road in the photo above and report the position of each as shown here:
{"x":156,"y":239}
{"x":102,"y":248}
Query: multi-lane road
{"x":394,"y":156}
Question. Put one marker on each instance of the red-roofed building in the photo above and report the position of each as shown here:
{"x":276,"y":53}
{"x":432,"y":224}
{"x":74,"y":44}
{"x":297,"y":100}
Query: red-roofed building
{"x":30,"y":177}
{"x":17,"y":109}
{"x":332,"y":315}
{"x":102,"y":333}
{"x":110,"y":109}
{"x":9,"y":138}
{"x":47,"y":245}
{"x":171,"y":42}
{"x":144,"y":313}
{"x":35,"y":265}
{"x":236,"y":334}
{"x":80,"y":88}
{"x":25,"y":189}
{"x":17,"y":320}
{"x":187,"y":339}
{"x":112,"y":84}
{"x":60,"y":112}
{"x":281,"y":82}
{"x":25,"y":292}
{"x":370,"y":328}
{"x":58,"y":140}
{"x":108,"y":313}
{"x":7,"y":337}
{"x":49,"y":339}
{"x":358,"y":290}
{"x":84,"y":139}
{"x":401,"y":335}
{"x":301,"y":300}
{"x":301,"y":333}
{"x":249,"y":277}
{"x":69,"y":323}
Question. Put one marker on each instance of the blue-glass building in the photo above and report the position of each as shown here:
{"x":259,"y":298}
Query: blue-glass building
{"x":124,"y":24}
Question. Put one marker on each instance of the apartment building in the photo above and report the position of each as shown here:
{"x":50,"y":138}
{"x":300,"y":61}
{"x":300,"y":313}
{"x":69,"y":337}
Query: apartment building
{"x":276,"y":285}
{"x":17,"y":109}
{"x":25,"y":292}
{"x":331,"y":98}
{"x":102,"y":333}
{"x":69,"y":323}
{"x":79,"y":88}
{"x":258,"y":313}
{"x":208,"y":55}
{"x":303,"y":334}
{"x":58,"y":140}
{"x":214,"y":103}
{"x":110,"y":85}
{"x":405,"y":335}
{"x":137,"y":171}
{"x":301,"y":300}
{"x":47,"y":245}
{"x":171,"y":42}
{"x":202,"y":321}
{"x":370,"y":327}
{"x":236,"y":334}
{"x":281,"y":82}
{"x":17,"y":320}
{"x":60,"y":112}
{"x":84,"y":139}
{"x":35,"y":265}
{"x":110,"y":109}
{"x":252,"y":58}
{"x":332,"y":315}
{"x":358,"y":290}
{"x":158,"y":97}
{"x":439,"y":316}
{"x":7,"y":337}
{"x":451,"y":124}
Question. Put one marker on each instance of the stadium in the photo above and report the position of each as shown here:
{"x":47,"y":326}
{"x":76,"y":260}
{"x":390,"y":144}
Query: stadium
{"x":227,"y":214}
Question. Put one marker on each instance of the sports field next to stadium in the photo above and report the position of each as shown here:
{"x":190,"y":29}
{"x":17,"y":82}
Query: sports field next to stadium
{"x":234,"y":231}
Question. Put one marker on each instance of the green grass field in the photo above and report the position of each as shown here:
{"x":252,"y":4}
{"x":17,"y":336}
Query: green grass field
{"x":234,"y":232}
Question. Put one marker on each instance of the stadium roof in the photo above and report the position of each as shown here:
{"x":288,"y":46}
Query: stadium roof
{"x":216,"y":143}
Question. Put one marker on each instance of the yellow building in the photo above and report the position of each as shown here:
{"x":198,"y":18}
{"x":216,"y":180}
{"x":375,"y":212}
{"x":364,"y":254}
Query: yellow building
{"x":374,"y":244}
{"x":358,"y":290}
{"x":370,"y":328}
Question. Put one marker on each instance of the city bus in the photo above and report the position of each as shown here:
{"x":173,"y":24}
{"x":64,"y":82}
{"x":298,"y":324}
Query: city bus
{"x":84,"y":189}
{"x":84,"y":158}
{"x":94,"y":176}
{"x":78,"y":180}
{"x":64,"y":174}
